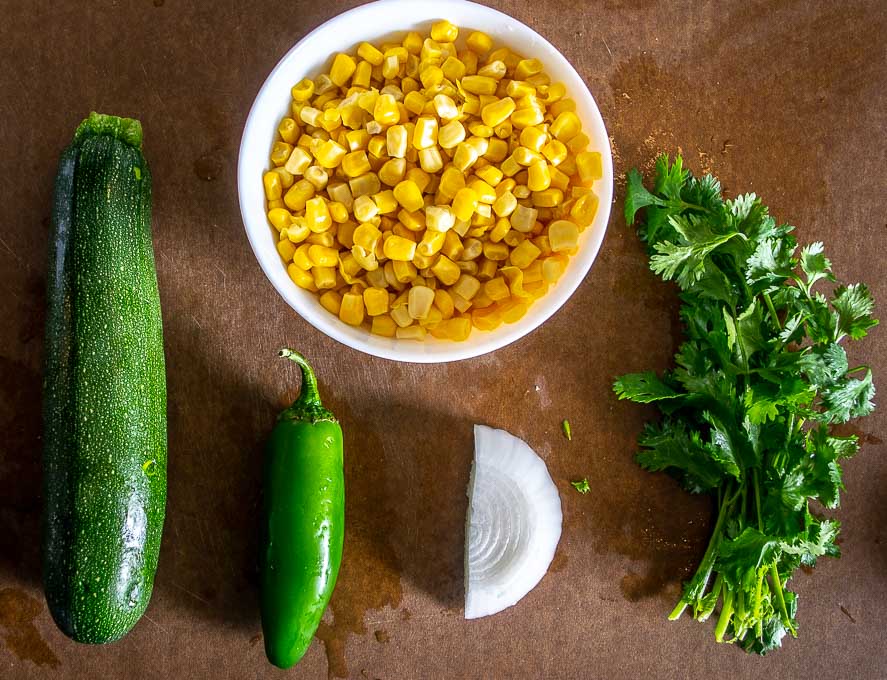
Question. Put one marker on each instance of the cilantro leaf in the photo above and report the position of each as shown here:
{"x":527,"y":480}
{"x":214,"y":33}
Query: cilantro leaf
{"x":636,"y":196}
{"x":848,"y":399}
{"x":643,"y":388}
{"x":853,"y":305}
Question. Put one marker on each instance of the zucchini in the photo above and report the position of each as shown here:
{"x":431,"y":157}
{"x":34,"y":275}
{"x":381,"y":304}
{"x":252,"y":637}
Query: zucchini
{"x":104,"y":389}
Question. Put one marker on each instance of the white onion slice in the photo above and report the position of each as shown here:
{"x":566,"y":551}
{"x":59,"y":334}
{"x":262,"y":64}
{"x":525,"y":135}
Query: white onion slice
{"x":513,"y":525}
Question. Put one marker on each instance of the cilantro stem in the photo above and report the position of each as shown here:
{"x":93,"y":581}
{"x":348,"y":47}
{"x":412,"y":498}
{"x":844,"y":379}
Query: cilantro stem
{"x":780,"y":599}
{"x":726,"y":615}
{"x":861,"y":367}
{"x":757,"y":488}
{"x":772,"y":309}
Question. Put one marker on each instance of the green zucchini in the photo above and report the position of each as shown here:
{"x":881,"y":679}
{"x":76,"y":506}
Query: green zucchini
{"x":104,"y":389}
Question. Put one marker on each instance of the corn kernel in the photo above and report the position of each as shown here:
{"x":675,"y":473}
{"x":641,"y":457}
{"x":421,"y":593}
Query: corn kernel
{"x":404,"y":271}
{"x":331,"y":301}
{"x":286,"y":249}
{"x":539,"y":177}
{"x":521,"y":191}
{"x":431,"y":76}
{"x":357,"y":139}
{"x":466,"y":155}
{"x":566,"y":126}
{"x":505,"y":204}
{"x":420,"y":301}
{"x":527,"y":117}
{"x":377,"y":147}
{"x":375,"y":300}
{"x":355,"y":163}
{"x":303,"y":90}
{"x":411,"y":333}
{"x":365,"y":208}
{"x":399,"y":248}
{"x":365,"y":185}
{"x":298,"y":195}
{"x":369,"y":52}
{"x":446,"y":271}
{"x":321,"y":256}
{"x":497,"y":150}
{"x":445,"y":107}
{"x":385,"y":111}
{"x":518,"y":89}
{"x":420,"y":178}
{"x":439,"y":218}
{"x":467,"y":287}
{"x":589,"y":165}
{"x":548,"y":198}
{"x":301,"y":278}
{"x":563,"y":235}
{"x":384,"y":326}
{"x":579,"y":143}
{"x":280,"y":152}
{"x":523,"y":219}
{"x":392,"y":171}
{"x":555,"y":152}
{"x":444,"y":31}
{"x":409,"y":195}
{"x":330,"y":154}
{"x":327,"y":239}
{"x":513,"y":310}
{"x":465,"y":203}
{"x":479,"y":84}
{"x":497,"y":112}
{"x":497,"y":252}
{"x":533,"y":138}
{"x":453,"y":69}
{"x":430,"y":160}
{"x":342,"y":69}
{"x":425,"y":134}
{"x":431,"y":243}
{"x":510,"y":167}
{"x":584,"y":209}
{"x":526,"y":68}
{"x":273,"y":185}
{"x":497,"y":289}
{"x":351,"y":310}
{"x":324,"y":277}
{"x":479,"y":43}
{"x":524,"y":254}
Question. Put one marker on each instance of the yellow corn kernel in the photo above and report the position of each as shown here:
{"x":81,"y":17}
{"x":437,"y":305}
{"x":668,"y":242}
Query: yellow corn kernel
{"x":317,"y":176}
{"x":453,"y":69}
{"x":497,"y":252}
{"x":344,"y":230}
{"x":280,"y":152}
{"x":495,"y":69}
{"x":466,"y":155}
{"x":485,"y":193}
{"x":375,"y":300}
{"x":377,"y":147}
{"x":411,"y":333}
{"x":497,"y":150}
{"x":310,"y":116}
{"x":588,"y":163}
{"x":430,"y":160}
{"x":505,"y":204}
{"x":276,"y":203}
{"x":289,"y":130}
{"x":527,"y":117}
{"x":324,"y":277}
{"x":327,"y":239}
{"x":561,"y":106}
{"x":303,"y":90}
{"x":445,"y":107}
{"x":513,"y":310}
{"x":385,"y":202}
{"x":351,"y":310}
{"x":415,"y":102}
{"x":479,"y":84}
{"x":342,"y":193}
{"x":524,"y":219}
{"x":479,"y":43}
{"x":431,"y":243}
{"x":467,"y":287}
{"x":396,"y":141}
{"x":330,"y":154}
{"x":301,"y":259}
{"x":420,"y":178}
{"x":338,"y":213}
{"x":400,"y":313}
{"x":563,"y":235}
{"x":414,"y":221}
{"x":525,"y":157}
{"x":384,"y":326}
{"x":431,"y":76}
{"x":366,"y":236}
{"x":287,"y":249}
{"x":514,"y":238}
{"x":369,"y":52}
{"x":424,"y":262}
{"x":451,"y":135}
{"x":342,"y":69}
{"x":496,"y":113}
{"x":286,"y":178}
{"x":521,"y":191}
{"x":298,"y":195}
{"x":444,"y":31}
{"x":497,"y":289}
{"x":280,"y":218}
{"x":321,"y":256}
{"x":566,"y":126}
{"x":365,"y":185}
{"x":450,"y":182}
{"x":357,"y":139}
{"x":579,"y":143}
{"x":420,"y":301}
{"x":548,"y":198}
{"x":391,"y":67}
{"x":499,"y":230}
{"x":365,"y":208}
{"x":273,"y":185}
{"x":323,"y":84}
{"x":404,"y":271}
{"x":446,"y":271}
{"x":364,"y":259}
{"x":431,"y":49}
{"x":331,"y":301}
{"x":518,"y":89}
{"x":465,"y":203}
{"x":533,"y":138}
{"x":526,"y":68}
{"x":490,"y":174}
{"x":473,"y":248}
{"x":368,"y":100}
{"x":409,"y":195}
{"x":331,"y":120}
{"x":301,"y":278}
{"x":412,"y":43}
{"x":568,"y":166}
{"x":554,"y":93}
{"x":555,"y":152}
{"x":386,"y":112}
{"x":399,"y":248}
{"x":408,"y":85}
{"x":452,"y":246}
{"x":392,"y":171}
{"x":355,"y":163}
{"x":510,"y":167}
{"x":443,"y":301}
{"x":439,"y":218}
{"x":553,"y":267}
{"x":524,"y":254}
{"x":425,"y":134}
{"x":584,"y":209}
{"x":317,"y":215}
{"x":457,"y":329}
{"x":539,"y":177}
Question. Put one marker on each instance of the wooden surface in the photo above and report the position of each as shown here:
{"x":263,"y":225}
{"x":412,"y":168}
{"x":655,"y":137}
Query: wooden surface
{"x":788,"y":99}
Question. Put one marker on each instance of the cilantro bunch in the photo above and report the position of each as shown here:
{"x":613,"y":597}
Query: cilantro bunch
{"x":746,"y":411}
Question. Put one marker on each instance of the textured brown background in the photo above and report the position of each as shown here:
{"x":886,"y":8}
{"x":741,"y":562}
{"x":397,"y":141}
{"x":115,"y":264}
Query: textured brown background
{"x":788,"y":99}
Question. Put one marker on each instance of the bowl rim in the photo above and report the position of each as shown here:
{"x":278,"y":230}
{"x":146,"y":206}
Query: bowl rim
{"x":411,"y":351}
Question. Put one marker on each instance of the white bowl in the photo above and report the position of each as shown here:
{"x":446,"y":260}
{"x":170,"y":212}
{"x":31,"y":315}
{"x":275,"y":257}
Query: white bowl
{"x":373,"y":22}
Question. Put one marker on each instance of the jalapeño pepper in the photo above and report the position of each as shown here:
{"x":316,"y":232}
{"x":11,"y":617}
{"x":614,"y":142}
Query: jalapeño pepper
{"x":303,"y":521}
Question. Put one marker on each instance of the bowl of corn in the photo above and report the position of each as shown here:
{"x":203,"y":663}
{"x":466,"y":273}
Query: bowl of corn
{"x":430,"y":193}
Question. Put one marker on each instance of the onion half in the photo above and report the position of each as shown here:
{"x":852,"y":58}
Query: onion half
{"x":513,"y":525}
